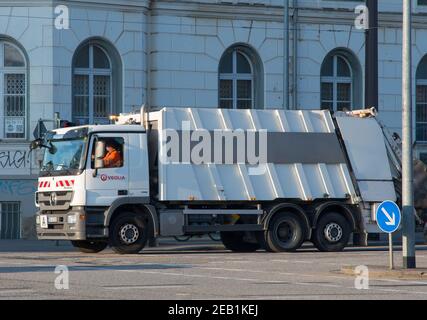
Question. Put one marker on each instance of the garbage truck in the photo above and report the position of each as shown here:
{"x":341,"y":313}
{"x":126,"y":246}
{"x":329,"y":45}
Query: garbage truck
{"x":262,"y":179}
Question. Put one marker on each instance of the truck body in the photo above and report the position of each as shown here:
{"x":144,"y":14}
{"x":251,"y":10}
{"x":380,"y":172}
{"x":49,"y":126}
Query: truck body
{"x":267,"y":179}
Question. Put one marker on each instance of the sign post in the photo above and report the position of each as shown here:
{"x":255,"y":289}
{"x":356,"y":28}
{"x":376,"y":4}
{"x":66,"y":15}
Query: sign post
{"x":388,"y":219}
{"x":390,"y":249}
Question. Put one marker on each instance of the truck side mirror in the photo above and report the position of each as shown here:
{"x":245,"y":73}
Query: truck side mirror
{"x":35,"y":144}
{"x":99,"y":154}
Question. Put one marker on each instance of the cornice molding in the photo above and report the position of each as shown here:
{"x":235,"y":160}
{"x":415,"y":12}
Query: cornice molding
{"x":260,"y":12}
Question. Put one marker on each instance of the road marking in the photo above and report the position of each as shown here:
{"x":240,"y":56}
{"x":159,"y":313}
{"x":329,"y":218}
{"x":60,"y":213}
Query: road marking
{"x":190,"y":275}
{"x":12,"y":291}
{"x":257,"y":281}
{"x":145,"y":287}
{"x":304,"y":262}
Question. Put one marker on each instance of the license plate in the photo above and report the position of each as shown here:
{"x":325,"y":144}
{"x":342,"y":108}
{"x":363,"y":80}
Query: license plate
{"x":44,"y":222}
{"x":52,"y":219}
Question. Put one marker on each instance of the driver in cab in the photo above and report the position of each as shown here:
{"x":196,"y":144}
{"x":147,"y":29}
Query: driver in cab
{"x":113,"y":158}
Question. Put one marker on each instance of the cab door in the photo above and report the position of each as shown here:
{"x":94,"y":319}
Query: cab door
{"x":105,"y":185}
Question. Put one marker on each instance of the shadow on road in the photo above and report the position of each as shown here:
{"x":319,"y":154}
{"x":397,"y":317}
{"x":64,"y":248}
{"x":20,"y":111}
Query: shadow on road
{"x":50,"y":269}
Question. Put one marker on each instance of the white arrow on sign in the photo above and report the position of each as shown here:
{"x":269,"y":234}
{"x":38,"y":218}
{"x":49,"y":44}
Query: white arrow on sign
{"x":391,"y":220}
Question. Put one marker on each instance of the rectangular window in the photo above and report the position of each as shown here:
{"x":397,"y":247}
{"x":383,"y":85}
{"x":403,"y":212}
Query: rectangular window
{"x":421,"y":113}
{"x":244,"y":94}
{"x":101,"y":99}
{"x":343,"y":96}
{"x":14,"y":105}
{"x":226,"y":94}
{"x":81,"y":99}
{"x":423,"y":157}
{"x":113,"y":153}
{"x":10,"y":220}
{"x":327,"y":95}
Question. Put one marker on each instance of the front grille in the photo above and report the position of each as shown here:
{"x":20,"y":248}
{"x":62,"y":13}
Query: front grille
{"x":56,"y":200}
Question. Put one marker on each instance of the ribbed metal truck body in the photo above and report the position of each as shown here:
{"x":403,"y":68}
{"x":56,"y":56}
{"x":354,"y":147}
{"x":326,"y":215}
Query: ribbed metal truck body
{"x":306,"y":157}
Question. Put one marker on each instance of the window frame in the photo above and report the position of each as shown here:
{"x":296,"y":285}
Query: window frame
{"x":12,"y":70}
{"x":335,"y":80}
{"x":103,"y":137}
{"x":234,"y":77}
{"x":17,"y":212}
{"x":91,"y":73}
{"x":419,"y":82}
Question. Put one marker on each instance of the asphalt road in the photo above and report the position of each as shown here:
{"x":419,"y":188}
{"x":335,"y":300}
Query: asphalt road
{"x":196,"y":270}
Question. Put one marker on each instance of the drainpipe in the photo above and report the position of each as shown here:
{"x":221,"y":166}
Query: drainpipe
{"x":286,"y":55}
{"x":295,"y":55}
{"x":148,"y":59}
{"x":371,"y":64}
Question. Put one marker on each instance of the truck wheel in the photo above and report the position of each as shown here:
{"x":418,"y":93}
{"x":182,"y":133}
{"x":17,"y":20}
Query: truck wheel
{"x":235,"y":241}
{"x":285,"y":233}
{"x":89,"y":246}
{"x":332,"y":233}
{"x":128,"y":234}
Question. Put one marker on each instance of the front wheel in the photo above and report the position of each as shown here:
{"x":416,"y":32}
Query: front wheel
{"x":332,"y":233}
{"x":128,"y":234}
{"x":89,"y":246}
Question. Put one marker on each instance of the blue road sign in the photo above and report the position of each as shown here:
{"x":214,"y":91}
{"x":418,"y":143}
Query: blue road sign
{"x":388,"y":217}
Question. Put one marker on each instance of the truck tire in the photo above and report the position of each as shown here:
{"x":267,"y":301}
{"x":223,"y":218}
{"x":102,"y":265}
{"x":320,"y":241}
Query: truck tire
{"x":90,"y":246}
{"x":332,"y":233}
{"x":285,"y":233}
{"x":128,"y":233}
{"x":235,"y":241}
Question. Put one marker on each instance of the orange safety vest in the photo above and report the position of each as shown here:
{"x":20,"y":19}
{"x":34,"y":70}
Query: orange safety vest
{"x":112,"y":159}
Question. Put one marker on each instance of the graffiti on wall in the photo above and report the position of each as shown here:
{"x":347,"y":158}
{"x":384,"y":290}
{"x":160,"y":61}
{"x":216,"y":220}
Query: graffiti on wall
{"x":17,"y":188}
{"x":16,"y":161}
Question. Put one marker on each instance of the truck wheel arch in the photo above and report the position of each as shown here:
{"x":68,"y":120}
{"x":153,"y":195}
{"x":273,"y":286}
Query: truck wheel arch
{"x":338,"y":208}
{"x":137,"y":205}
{"x":291,"y":208}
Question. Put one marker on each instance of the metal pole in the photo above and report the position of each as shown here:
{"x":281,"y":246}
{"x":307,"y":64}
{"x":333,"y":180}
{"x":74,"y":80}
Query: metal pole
{"x":371,"y":49}
{"x":390,"y":245}
{"x":286,"y":55}
{"x":408,"y":221}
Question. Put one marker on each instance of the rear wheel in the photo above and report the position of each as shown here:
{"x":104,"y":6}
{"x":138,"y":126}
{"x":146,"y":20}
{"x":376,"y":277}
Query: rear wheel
{"x":332,"y":233}
{"x":285,"y":233}
{"x":89,"y":246}
{"x":128,"y":233}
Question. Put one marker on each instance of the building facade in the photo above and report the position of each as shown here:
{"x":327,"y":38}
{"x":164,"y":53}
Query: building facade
{"x":87,"y":59}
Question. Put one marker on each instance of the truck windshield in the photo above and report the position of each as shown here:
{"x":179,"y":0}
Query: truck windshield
{"x":63,"y":157}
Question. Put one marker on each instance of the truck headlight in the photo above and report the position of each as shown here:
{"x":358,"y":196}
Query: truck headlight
{"x":72,"y":219}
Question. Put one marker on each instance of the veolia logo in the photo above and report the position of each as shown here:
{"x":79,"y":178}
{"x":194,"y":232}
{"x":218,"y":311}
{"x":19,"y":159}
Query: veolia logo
{"x":105,"y":177}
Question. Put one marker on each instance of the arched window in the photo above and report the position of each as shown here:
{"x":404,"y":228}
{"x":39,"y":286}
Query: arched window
{"x":13,"y":91}
{"x":421,"y":112}
{"x":336,"y":83}
{"x":92,"y":84}
{"x":240,"y":79}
